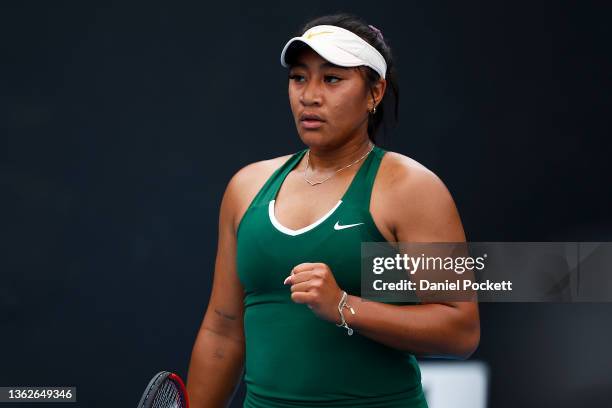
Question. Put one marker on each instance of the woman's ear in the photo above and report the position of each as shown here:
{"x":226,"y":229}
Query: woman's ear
{"x":378,"y":90}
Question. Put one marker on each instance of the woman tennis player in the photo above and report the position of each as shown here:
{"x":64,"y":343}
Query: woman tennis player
{"x":285,"y":301}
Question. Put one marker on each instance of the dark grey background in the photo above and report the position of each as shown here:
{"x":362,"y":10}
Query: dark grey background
{"x":122,"y":123}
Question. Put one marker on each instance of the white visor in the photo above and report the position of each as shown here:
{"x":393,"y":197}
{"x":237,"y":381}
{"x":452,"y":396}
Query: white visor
{"x":341,"y":47}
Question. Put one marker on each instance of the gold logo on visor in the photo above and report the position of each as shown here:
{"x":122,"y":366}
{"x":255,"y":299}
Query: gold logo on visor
{"x":310,"y":35}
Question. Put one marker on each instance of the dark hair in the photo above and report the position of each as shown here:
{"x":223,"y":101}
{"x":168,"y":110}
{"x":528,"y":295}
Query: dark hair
{"x":386,"y":116}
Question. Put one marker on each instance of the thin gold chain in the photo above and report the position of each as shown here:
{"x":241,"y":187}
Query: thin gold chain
{"x":313,"y":183}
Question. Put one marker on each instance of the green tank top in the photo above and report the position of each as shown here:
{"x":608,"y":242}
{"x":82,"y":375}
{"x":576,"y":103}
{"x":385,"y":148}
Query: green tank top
{"x":293,"y":357}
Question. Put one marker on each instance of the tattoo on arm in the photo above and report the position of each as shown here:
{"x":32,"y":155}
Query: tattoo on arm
{"x":225,"y":315}
{"x":219,"y":354}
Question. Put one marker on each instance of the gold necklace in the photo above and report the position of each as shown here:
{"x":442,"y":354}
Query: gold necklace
{"x":314,"y":183}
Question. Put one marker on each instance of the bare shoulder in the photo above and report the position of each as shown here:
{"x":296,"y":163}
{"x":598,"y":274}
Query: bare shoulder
{"x":401,"y":174}
{"x":246,"y":182}
{"x":253,"y":176}
{"x":412,"y":201}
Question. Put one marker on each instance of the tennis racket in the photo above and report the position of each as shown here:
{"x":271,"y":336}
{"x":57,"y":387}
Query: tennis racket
{"x":165,"y":390}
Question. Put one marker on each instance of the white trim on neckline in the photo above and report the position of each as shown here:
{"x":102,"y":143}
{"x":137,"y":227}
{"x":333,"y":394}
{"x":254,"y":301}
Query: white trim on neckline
{"x":291,"y":232}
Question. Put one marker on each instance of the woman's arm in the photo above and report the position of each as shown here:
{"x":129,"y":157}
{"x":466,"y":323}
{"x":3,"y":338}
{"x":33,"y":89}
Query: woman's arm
{"x":217,"y":358}
{"x":420,"y":209}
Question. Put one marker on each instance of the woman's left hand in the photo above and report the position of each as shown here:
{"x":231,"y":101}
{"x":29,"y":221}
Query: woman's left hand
{"x":314,"y":285}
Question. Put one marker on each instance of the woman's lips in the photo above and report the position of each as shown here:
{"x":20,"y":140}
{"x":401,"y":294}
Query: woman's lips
{"x":311,"y":123}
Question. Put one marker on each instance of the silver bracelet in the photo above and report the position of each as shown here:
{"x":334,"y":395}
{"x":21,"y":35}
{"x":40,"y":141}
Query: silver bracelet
{"x":341,"y":306}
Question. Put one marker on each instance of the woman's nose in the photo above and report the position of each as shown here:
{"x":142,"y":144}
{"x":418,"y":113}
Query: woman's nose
{"x":311,"y":93}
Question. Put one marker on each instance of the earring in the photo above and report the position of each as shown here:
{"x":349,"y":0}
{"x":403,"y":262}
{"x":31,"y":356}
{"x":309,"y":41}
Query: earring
{"x":373,"y":111}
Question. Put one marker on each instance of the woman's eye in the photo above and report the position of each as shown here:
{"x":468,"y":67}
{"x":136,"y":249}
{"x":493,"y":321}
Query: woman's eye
{"x":332,"y":79}
{"x":297,"y":78}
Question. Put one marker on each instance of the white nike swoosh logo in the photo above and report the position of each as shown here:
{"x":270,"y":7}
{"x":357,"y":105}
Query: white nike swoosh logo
{"x":337,"y":226}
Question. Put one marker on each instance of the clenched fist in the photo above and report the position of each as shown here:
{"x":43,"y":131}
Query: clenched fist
{"x":314,"y":285}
